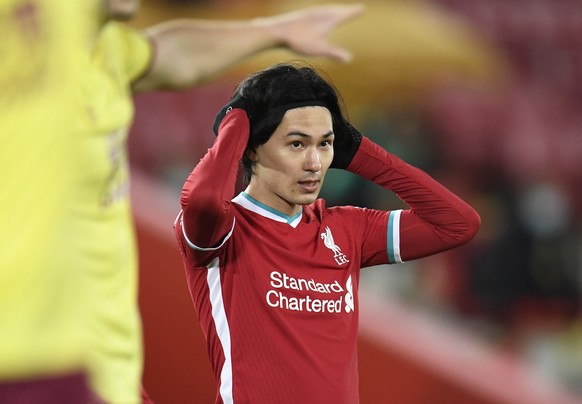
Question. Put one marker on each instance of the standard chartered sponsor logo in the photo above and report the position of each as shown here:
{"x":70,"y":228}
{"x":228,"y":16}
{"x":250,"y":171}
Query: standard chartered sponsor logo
{"x":319,"y":297}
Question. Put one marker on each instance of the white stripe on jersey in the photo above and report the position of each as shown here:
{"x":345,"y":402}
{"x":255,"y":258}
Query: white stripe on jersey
{"x":394,"y":237}
{"x":222,"y":329}
{"x":195,"y":247}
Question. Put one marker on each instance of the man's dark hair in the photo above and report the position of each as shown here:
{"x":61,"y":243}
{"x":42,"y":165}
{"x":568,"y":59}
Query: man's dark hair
{"x":270,"y":92}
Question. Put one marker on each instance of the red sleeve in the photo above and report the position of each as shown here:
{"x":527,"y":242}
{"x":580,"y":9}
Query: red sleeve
{"x":437,"y":220}
{"x":207,"y":215}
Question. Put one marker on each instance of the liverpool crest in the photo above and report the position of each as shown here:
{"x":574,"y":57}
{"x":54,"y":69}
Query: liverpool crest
{"x":338,"y":256}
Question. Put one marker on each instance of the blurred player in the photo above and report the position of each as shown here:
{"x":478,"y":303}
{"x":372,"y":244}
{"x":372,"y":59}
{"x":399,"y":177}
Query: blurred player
{"x":172,"y":55}
{"x":273,"y":272}
{"x":42,"y":296}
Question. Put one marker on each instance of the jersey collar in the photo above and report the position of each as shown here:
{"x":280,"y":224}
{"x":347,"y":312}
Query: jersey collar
{"x":246,"y":201}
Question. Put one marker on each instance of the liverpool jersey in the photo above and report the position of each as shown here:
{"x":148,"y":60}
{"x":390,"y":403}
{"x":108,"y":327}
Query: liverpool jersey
{"x":276,"y":295}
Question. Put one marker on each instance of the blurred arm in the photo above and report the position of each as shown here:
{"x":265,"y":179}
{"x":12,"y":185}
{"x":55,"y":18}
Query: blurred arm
{"x":189,"y":51}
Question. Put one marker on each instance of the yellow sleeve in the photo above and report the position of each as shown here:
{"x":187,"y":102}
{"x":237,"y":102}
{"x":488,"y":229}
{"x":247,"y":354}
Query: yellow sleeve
{"x":134,"y":50}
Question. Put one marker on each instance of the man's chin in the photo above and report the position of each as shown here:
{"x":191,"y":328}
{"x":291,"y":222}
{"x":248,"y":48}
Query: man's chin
{"x":121,"y":10}
{"x":307,"y":199}
{"x":120,"y":15}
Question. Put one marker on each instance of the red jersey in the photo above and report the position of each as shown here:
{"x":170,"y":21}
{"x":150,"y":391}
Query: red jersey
{"x":276,"y":295}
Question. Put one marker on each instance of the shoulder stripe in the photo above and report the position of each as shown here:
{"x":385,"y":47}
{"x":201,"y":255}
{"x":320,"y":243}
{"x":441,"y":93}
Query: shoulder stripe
{"x":393,"y":239}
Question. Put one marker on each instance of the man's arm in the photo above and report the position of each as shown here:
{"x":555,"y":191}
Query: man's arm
{"x":437,"y":220}
{"x":207,"y":215}
{"x":189,"y":51}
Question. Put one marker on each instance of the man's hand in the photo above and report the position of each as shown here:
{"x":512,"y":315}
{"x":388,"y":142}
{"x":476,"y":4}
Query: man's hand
{"x":345,"y":149}
{"x":237,"y":102}
{"x":305,"y":31}
{"x":189,"y":51}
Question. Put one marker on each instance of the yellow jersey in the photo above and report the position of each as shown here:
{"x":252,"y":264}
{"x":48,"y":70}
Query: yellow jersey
{"x":103,"y":213}
{"x":42,"y":296}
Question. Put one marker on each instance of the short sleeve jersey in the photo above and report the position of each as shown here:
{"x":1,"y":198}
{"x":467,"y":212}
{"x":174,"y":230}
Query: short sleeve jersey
{"x":103,"y":213}
{"x":41,"y":295}
{"x":278,"y":300}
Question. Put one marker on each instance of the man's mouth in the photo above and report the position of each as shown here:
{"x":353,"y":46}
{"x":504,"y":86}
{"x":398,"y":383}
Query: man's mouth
{"x":309,"y":186}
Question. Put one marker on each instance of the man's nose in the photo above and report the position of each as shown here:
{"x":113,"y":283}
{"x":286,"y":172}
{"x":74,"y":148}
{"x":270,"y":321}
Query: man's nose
{"x":312,"y":160}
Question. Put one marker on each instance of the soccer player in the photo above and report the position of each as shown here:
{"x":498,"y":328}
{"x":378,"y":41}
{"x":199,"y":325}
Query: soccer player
{"x":273,"y":272}
{"x":42,"y":298}
{"x":171,"y":55}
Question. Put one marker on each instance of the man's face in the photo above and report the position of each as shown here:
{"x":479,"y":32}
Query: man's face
{"x":290,"y":167}
{"x":120,"y":10}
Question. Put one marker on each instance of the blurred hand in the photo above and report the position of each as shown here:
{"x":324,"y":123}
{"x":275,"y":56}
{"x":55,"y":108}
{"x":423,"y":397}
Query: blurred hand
{"x":305,"y":31}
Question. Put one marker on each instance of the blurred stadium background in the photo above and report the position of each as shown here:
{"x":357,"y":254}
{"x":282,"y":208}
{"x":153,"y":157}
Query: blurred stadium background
{"x":481,"y":94}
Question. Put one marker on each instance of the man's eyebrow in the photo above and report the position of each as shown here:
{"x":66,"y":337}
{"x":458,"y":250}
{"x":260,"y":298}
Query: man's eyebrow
{"x":303,"y":135}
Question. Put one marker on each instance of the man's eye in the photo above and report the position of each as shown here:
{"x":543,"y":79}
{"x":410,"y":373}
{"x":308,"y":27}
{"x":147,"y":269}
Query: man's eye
{"x":296,"y":144}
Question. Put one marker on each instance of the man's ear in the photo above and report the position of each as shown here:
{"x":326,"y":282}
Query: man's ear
{"x":251,"y":154}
